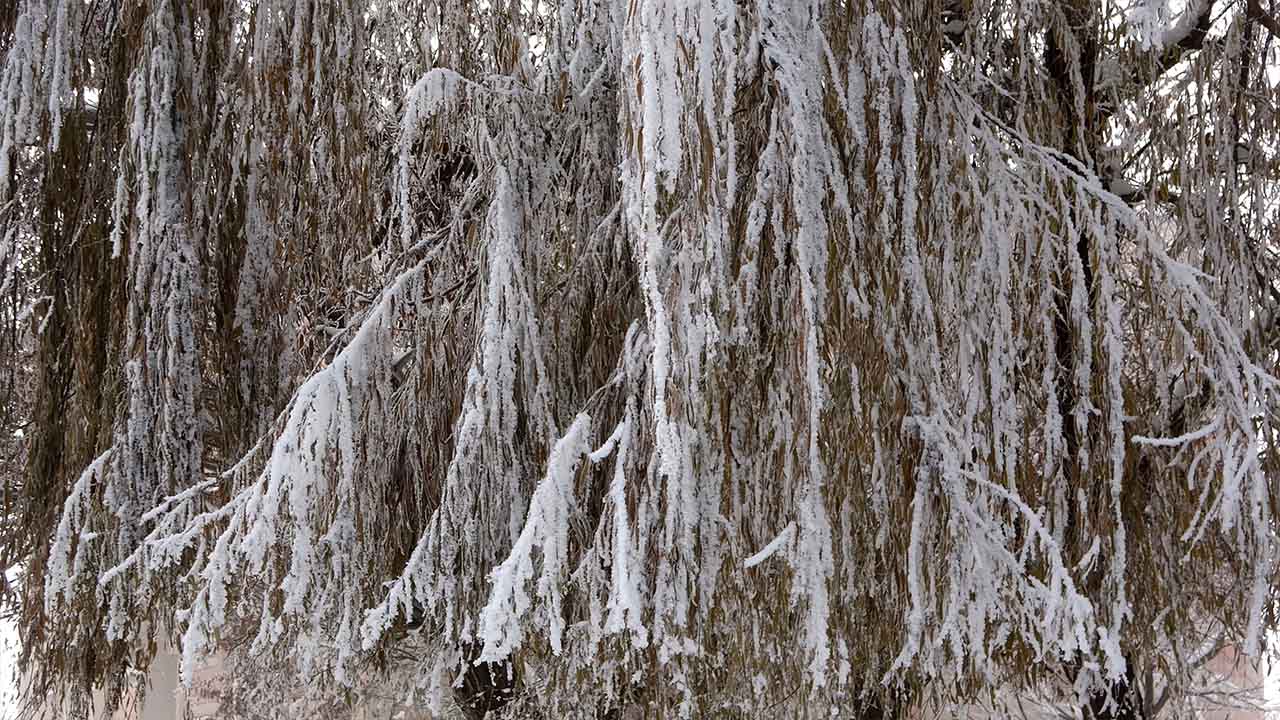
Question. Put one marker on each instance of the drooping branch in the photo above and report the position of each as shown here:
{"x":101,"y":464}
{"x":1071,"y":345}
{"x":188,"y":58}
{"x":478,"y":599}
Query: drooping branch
{"x":1260,"y":15}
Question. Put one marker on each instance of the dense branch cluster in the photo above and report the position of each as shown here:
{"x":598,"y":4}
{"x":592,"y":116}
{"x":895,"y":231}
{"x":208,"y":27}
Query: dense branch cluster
{"x":712,"y":357}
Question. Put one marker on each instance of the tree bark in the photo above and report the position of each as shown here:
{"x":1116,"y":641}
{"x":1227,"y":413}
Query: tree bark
{"x":1081,"y":140}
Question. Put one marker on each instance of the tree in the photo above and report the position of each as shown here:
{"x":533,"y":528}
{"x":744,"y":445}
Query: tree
{"x":708,"y":357}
